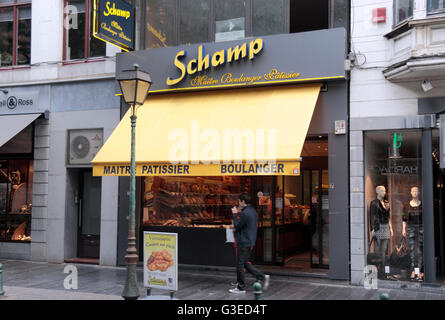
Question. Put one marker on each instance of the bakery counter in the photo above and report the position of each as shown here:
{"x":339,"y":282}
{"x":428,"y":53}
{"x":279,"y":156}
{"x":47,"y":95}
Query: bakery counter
{"x":199,"y":246}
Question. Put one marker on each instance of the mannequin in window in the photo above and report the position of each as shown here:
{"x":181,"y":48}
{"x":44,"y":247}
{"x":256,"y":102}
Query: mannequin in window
{"x":381,"y":228}
{"x":18,"y":193}
{"x":412,"y":226}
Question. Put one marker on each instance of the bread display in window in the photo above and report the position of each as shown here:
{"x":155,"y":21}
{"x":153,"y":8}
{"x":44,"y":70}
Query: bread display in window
{"x":191,"y":201}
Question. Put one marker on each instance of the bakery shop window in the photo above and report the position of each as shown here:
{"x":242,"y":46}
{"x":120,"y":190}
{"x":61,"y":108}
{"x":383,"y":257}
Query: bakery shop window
{"x":201,"y":202}
{"x":15,"y":199}
{"x":393,"y":195}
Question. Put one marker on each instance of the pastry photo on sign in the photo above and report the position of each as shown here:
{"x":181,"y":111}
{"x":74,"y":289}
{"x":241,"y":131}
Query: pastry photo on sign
{"x":160,"y":260}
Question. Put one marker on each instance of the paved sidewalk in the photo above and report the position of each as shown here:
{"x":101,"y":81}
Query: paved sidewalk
{"x":21,"y":293}
{"x":44,"y":281}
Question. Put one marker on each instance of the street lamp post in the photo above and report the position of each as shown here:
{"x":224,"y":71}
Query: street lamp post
{"x":135,"y":85}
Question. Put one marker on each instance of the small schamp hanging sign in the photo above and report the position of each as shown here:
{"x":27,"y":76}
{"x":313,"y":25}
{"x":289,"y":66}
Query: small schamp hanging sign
{"x":114,"y":22}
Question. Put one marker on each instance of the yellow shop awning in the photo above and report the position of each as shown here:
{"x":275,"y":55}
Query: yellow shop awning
{"x":258,"y":131}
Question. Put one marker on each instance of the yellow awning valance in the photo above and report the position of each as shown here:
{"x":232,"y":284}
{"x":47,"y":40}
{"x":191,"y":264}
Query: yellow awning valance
{"x":238,"y":132}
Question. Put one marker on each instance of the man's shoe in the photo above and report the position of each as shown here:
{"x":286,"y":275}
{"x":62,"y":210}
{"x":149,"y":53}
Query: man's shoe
{"x":236,"y":290}
{"x":266,"y":281}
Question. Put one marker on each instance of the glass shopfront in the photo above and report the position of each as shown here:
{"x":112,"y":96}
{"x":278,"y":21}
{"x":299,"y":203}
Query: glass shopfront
{"x":16,"y":179}
{"x":293,"y":226}
{"x":393,"y":195}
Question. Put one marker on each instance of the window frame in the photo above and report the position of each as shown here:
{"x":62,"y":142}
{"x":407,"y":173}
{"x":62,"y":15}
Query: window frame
{"x":431,"y":12}
{"x":395,"y":16}
{"x":87,"y":50}
{"x":16,"y":5}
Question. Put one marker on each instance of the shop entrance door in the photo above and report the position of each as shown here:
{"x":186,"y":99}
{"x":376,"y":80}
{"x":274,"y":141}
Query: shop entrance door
{"x":319,"y":225}
{"x":269,"y":236}
{"x":88,"y":237}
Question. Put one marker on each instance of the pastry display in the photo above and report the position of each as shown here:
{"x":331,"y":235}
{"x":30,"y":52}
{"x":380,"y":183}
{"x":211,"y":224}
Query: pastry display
{"x":192,"y":201}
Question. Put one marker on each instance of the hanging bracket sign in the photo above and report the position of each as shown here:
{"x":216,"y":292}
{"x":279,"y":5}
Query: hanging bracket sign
{"x":114,"y":22}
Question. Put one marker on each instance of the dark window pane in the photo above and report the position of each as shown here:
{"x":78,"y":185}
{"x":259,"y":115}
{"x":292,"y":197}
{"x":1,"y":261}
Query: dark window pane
{"x":404,"y":10}
{"x":437,"y":5}
{"x":24,"y":36}
{"x":98,"y":47}
{"x":309,"y":15}
{"x":6,"y":1}
{"x":230,"y":20}
{"x":76,"y":32}
{"x":267,"y":17}
{"x":6,"y":31}
{"x":194,"y":21}
{"x":160,"y":23}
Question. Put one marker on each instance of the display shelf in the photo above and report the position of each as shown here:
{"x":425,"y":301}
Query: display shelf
{"x":183,"y":205}
{"x":200,"y":180}
{"x":177,"y":193}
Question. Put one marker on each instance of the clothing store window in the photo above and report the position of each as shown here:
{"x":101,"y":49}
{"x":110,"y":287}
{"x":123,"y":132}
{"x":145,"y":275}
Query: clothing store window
{"x":436,"y":6}
{"x":78,"y":23}
{"x":393,"y":196}
{"x":15,"y":33}
{"x":403,"y":10}
{"x":16,"y":180}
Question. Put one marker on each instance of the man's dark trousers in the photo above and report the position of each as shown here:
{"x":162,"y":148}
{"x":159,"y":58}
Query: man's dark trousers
{"x":242,"y":261}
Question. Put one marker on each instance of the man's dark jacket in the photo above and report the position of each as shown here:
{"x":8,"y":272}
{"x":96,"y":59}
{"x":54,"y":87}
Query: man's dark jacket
{"x":246,"y":227}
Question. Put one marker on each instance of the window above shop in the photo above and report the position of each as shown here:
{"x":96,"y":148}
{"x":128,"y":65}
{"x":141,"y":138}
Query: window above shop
{"x":436,"y":6}
{"x":308,"y":15}
{"x":15,"y":33}
{"x":403,"y":10}
{"x":173,"y":22}
{"x":78,"y":40}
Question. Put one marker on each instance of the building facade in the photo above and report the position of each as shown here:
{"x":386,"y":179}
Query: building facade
{"x":397,"y":90}
{"x":51,"y":59}
{"x":55,"y":82}
{"x":320,"y":246}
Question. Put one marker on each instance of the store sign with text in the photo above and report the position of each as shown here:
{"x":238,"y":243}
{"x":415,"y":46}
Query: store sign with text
{"x":267,"y":60}
{"x":161,"y":260}
{"x":13,"y":103}
{"x":114,"y":22}
{"x":290,"y":168}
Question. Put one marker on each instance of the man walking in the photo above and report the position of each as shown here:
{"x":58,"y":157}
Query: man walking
{"x":245,"y":228}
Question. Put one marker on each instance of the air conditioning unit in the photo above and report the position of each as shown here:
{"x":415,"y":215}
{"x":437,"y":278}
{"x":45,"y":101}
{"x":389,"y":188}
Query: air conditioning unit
{"x":84,"y":145}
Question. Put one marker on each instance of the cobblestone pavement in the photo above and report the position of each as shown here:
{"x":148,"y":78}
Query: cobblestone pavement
{"x":45,"y":281}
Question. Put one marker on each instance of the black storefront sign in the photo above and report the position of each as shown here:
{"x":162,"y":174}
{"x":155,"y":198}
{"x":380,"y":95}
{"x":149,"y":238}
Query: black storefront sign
{"x":260,"y":61}
{"x":114,"y":22}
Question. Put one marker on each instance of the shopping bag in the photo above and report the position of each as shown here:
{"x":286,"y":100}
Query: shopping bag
{"x":400,"y":257}
{"x":373,"y":258}
{"x":230,"y":237}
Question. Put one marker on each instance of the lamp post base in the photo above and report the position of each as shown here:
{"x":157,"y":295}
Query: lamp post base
{"x":131,"y":289}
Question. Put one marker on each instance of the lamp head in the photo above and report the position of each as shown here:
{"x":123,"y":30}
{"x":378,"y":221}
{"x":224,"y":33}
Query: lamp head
{"x":135,"y":85}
